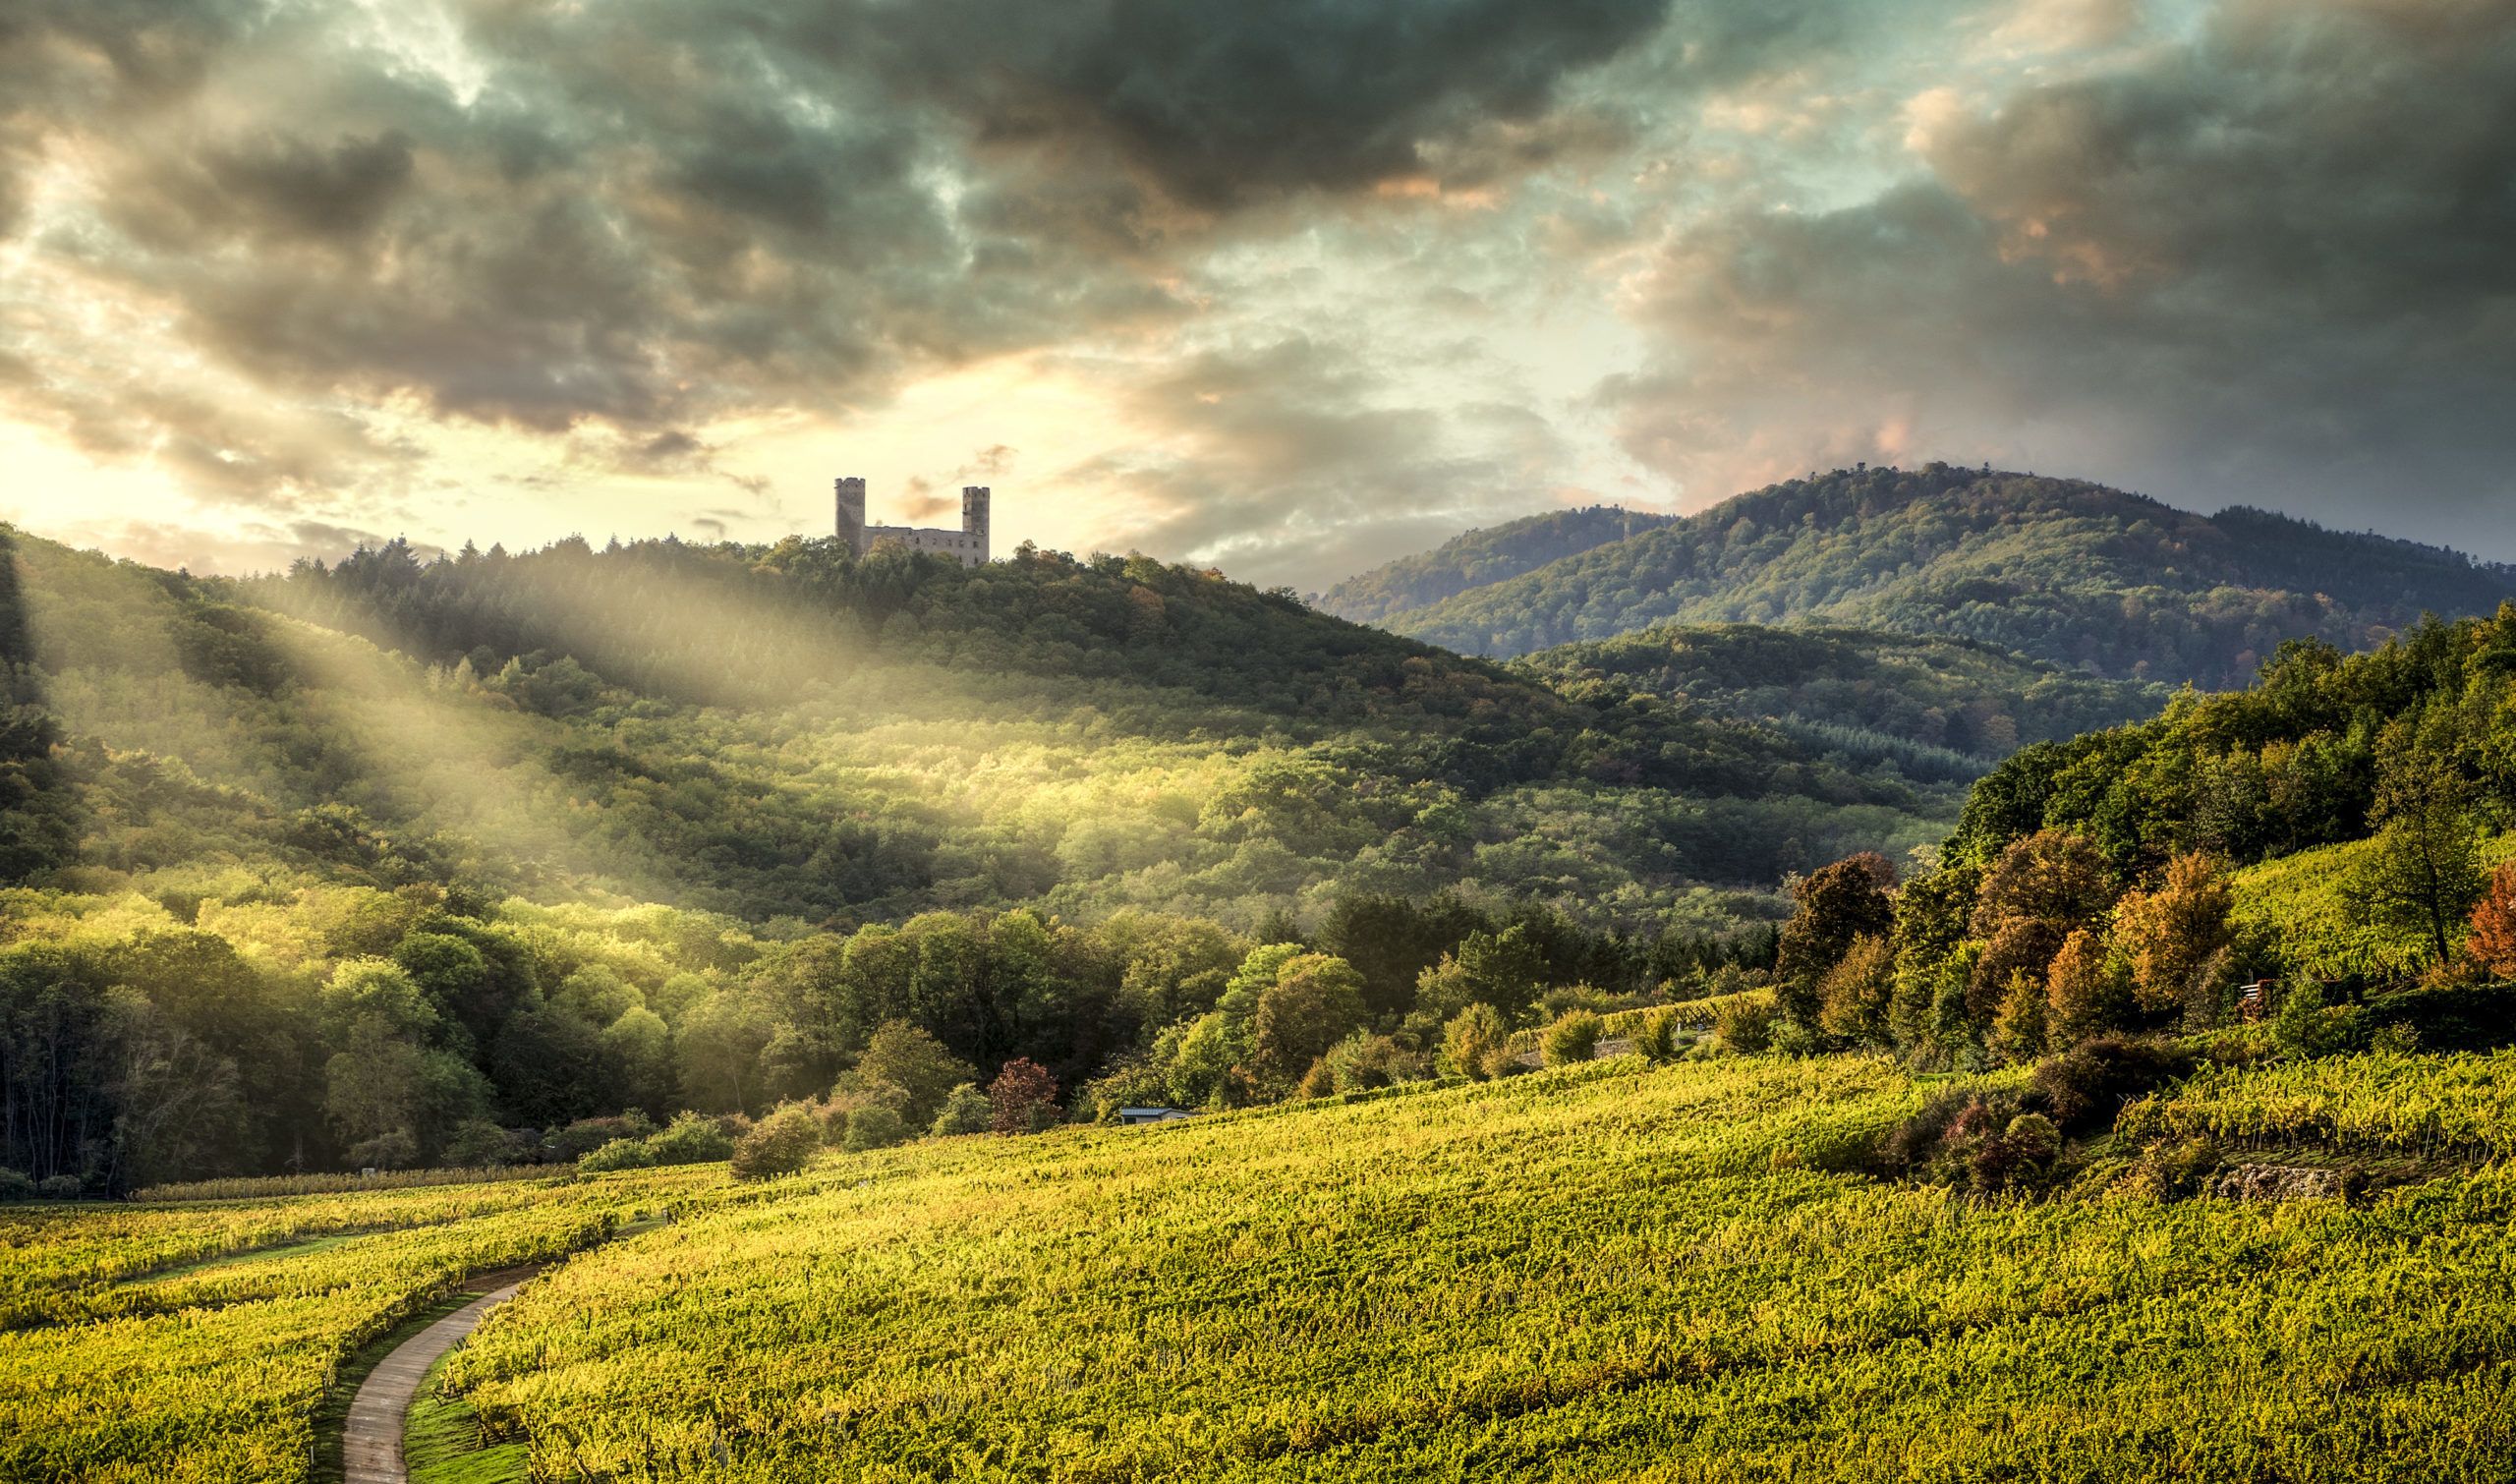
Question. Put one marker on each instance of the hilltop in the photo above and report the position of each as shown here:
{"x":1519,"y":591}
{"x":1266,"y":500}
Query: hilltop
{"x":2063,"y":571}
{"x":1480,"y":558}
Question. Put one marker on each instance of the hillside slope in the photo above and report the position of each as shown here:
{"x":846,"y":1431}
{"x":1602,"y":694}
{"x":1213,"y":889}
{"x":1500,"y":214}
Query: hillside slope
{"x":1480,"y":557}
{"x":1936,"y":706}
{"x":2060,"y":570}
{"x":786,"y":733}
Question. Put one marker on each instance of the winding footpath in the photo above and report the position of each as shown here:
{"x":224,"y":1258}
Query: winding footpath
{"x":371,"y":1438}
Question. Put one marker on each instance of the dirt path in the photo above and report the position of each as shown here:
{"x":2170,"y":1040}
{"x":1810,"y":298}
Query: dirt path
{"x":371,"y":1438}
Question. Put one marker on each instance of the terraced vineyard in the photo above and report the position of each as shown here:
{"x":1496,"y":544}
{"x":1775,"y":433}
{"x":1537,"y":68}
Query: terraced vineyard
{"x":1611,"y":1270}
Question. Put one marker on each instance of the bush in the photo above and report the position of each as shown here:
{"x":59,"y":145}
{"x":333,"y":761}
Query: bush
{"x":2165,"y":1171}
{"x":59,"y":1188}
{"x":691,"y":1139}
{"x":965,"y":1111}
{"x":1471,"y":1040}
{"x":1573,"y":1039}
{"x":780,"y":1144}
{"x":479,"y":1144}
{"x":2086,"y":1086}
{"x":875,"y":1126}
{"x":1658,"y":1038}
{"x":565,"y":1146}
{"x":1318,"y":1082}
{"x":16,"y":1185}
{"x":1023,"y":1098}
{"x":619,"y":1153}
{"x":1362,"y":1062}
{"x":2306,"y":1027}
{"x":1745,"y":1025}
{"x":393,"y":1149}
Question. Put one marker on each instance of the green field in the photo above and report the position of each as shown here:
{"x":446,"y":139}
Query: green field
{"x":1613,"y":1271}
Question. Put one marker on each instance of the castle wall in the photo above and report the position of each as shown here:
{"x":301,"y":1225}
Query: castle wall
{"x":967,"y":545}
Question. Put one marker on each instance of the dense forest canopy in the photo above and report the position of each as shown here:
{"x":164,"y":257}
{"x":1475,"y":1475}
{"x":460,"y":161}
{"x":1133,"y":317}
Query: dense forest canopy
{"x":1938,"y":706}
{"x":1477,"y":559}
{"x":2060,"y":570}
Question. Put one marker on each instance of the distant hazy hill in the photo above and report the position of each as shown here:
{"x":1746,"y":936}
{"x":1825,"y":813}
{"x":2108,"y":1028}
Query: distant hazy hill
{"x":2060,"y":570}
{"x":1937,"y":706}
{"x":1477,"y":559}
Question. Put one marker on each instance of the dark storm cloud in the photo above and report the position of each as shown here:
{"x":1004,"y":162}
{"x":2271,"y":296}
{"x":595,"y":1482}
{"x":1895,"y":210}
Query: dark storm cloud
{"x":648,"y":212}
{"x":2277,"y":265}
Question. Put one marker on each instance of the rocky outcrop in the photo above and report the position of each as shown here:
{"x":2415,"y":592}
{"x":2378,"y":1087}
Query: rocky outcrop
{"x":2280,"y":1182}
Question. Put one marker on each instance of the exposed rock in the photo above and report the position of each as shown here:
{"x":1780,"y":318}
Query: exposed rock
{"x":2279,"y":1183}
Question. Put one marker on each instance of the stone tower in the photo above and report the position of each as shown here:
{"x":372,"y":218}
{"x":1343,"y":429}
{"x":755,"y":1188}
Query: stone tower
{"x":851,"y":513}
{"x":974,"y":516}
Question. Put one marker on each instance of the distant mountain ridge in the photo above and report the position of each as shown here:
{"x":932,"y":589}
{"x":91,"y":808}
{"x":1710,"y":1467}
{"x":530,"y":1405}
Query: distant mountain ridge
{"x":1481,"y":557}
{"x":2065,"y":571}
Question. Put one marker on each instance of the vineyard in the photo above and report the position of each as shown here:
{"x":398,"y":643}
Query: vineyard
{"x":127,"y":1356}
{"x":1608,"y":1271}
{"x":1600,"y":1273}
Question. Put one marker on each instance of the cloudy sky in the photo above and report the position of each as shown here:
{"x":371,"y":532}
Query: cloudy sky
{"x":1289,"y":285}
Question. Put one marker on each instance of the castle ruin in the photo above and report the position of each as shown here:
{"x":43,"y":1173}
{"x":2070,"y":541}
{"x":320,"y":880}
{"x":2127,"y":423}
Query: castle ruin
{"x":967,"y":545}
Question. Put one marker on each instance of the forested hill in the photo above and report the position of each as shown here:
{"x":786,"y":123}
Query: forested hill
{"x":1937,"y":706}
{"x":1477,"y":559}
{"x":2060,"y":570}
{"x":787,"y":733}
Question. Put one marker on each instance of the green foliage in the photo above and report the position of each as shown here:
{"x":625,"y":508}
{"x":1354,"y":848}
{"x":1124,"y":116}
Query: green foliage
{"x":875,"y":1126}
{"x":1474,"y":1039}
{"x":966,"y":1109}
{"x":778,"y":1145}
{"x":1932,"y":707}
{"x":1572,"y":1039}
{"x":691,"y":1139}
{"x":1746,"y":1023}
{"x":619,"y":1153}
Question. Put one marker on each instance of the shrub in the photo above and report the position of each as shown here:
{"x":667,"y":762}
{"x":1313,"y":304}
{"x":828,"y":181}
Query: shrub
{"x":1574,"y":1038}
{"x":1318,"y":1082}
{"x":619,"y":1153}
{"x":1745,"y":1025}
{"x":562,"y":1146}
{"x":2088,"y":1085}
{"x":965,"y":1111}
{"x":2306,"y":1027}
{"x":16,"y":1185}
{"x":874,"y":1127}
{"x":393,"y":1149}
{"x":691,"y":1139}
{"x":2167,"y":1170}
{"x":1658,"y":1038}
{"x":1362,"y":1062}
{"x":780,"y":1144}
{"x":59,"y":1188}
{"x":479,"y":1144}
{"x":1023,"y":1098}
{"x":1502,"y":1062}
{"x":904,"y":1057}
{"x":1471,"y":1040}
